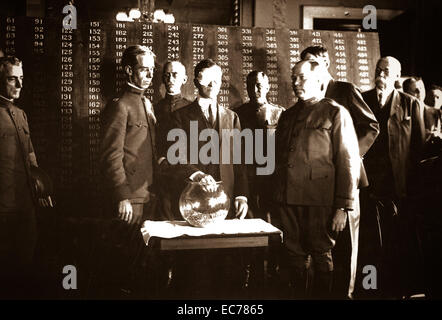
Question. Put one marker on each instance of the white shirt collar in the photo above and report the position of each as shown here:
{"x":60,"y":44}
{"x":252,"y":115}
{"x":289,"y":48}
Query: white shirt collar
{"x":134,"y":86}
{"x":205,"y":103}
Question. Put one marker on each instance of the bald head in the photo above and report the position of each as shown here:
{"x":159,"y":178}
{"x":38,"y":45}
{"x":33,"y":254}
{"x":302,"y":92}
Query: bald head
{"x":388,"y":70}
{"x":307,"y":80}
{"x":174,"y":76}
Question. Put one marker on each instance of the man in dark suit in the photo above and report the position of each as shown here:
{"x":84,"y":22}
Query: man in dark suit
{"x":367,"y":128}
{"x":315,"y":181}
{"x":18,"y":225}
{"x":174,"y":77}
{"x":128,"y":155}
{"x":207,"y":114}
{"x":391,"y":166}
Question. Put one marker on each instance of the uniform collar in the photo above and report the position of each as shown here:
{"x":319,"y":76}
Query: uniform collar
{"x":309,"y":102}
{"x":135,"y":89}
{"x":5,"y":102}
{"x":173,"y":97}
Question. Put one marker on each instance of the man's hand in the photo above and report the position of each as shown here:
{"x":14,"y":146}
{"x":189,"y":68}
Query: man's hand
{"x":125,"y":211}
{"x":209,"y":184}
{"x":45,"y":202}
{"x":339,"y":220}
{"x":241,"y":208}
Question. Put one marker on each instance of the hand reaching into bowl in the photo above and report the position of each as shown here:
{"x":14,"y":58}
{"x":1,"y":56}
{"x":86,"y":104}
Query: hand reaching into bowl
{"x":208,"y":182}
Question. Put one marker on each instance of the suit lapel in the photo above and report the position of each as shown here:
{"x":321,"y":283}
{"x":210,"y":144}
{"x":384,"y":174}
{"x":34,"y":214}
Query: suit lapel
{"x":396,"y":110}
{"x":195,"y":113}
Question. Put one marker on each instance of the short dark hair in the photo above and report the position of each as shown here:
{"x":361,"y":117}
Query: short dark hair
{"x":172,"y":61}
{"x":12,"y":60}
{"x":203,"y":64}
{"x":313,"y":64}
{"x":435,"y":87}
{"x":406,"y":85}
{"x":130,"y":55}
{"x":317,"y":51}
{"x":251,"y":80}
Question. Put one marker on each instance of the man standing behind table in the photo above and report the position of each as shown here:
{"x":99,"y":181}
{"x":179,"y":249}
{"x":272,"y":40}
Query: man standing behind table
{"x":128,"y":155}
{"x":18,"y":229}
{"x":258,"y":113}
{"x":345,"y":252}
{"x":174,"y":77}
{"x":391,"y":166}
{"x":315,"y":181}
{"x":206,"y":112}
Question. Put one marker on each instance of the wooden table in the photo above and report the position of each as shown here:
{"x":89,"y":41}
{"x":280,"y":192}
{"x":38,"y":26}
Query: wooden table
{"x":247,"y":240}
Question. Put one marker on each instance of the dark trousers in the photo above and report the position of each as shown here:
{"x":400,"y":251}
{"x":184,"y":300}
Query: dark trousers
{"x":308,"y":241}
{"x":389,"y":243}
{"x":121,"y":269}
{"x":18,"y":239}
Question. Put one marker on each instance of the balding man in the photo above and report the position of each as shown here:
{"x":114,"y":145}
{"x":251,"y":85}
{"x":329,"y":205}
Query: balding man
{"x":367,"y":128}
{"x":315,"y":181}
{"x":391,"y":165}
{"x":258,"y":113}
{"x":174,"y":77}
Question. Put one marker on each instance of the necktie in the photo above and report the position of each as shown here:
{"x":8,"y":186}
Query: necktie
{"x":381,"y":104}
{"x":212,"y":115}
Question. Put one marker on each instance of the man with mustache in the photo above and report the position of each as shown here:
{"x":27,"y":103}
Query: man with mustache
{"x":391,"y":165}
{"x":315,"y":181}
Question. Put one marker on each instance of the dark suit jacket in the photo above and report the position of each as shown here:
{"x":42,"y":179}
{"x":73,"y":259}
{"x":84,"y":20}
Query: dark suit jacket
{"x":406,"y":136}
{"x":128,"y":147}
{"x":234,"y":176}
{"x":365,"y":123}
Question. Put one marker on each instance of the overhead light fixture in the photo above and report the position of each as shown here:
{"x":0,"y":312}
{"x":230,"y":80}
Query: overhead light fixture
{"x":169,"y":18}
{"x":134,"y":14}
{"x":159,"y":15}
{"x":129,"y":15}
{"x":122,"y":16}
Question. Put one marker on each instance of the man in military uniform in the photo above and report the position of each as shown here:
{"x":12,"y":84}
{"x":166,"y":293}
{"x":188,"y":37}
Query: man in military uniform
{"x":18,"y":230}
{"x":345,"y":253}
{"x":258,"y":113}
{"x":174,"y":77}
{"x":128,"y":159}
{"x":315,"y":181}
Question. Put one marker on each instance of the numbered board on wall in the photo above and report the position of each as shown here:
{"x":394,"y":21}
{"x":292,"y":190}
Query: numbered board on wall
{"x":71,"y":74}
